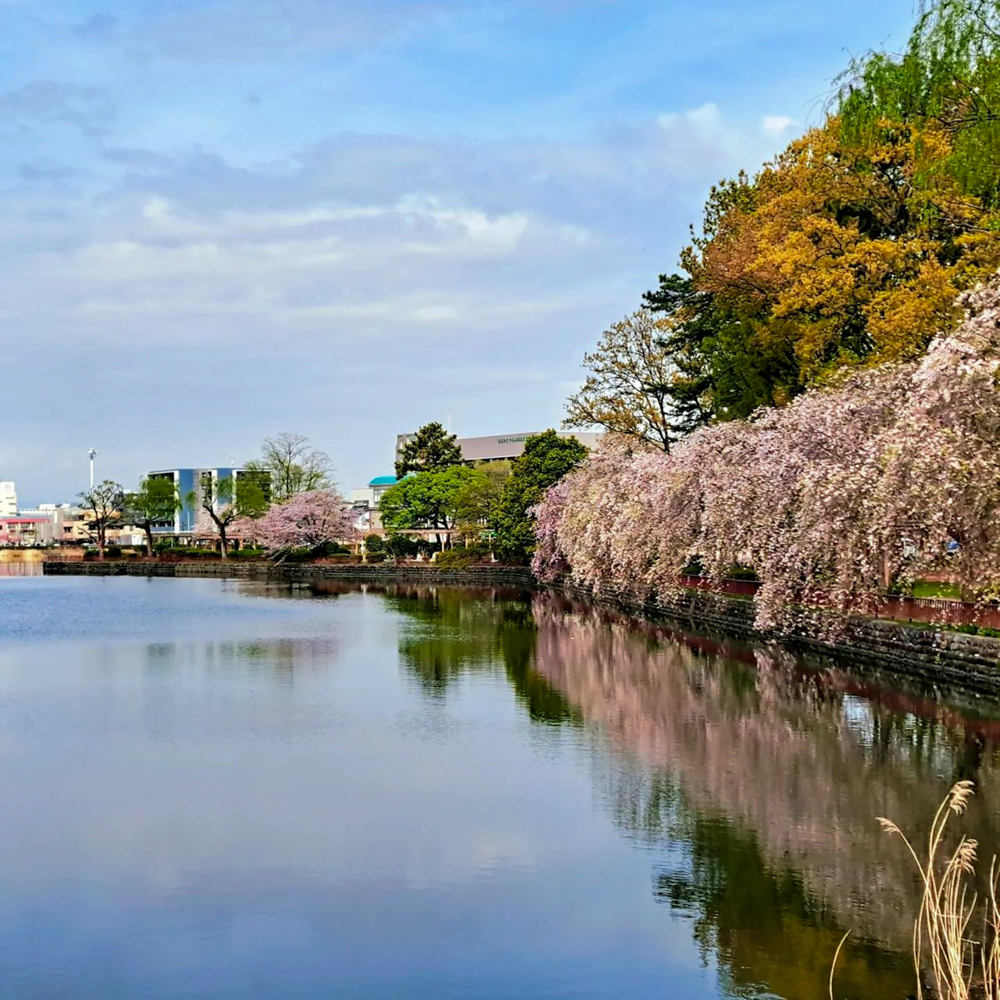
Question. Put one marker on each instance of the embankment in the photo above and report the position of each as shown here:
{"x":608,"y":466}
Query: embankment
{"x":382,"y":573}
{"x":925,"y":653}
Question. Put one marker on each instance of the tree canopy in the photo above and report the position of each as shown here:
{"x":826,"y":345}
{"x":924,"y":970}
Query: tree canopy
{"x":426,"y":499}
{"x":849,"y":249}
{"x":546,"y":459}
{"x":431,"y":449}
{"x":307,"y":520}
{"x":225,"y":501}
{"x":289,"y":465}
{"x":103,"y":506}
{"x":156,"y":500}
{"x":947,"y":80}
{"x":478,"y":499}
{"x":631,"y":388}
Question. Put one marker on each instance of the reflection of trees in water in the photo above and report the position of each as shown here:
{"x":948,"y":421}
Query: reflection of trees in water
{"x":276,"y":659}
{"x":764,"y":770}
{"x":450,"y":631}
{"x":754,"y":915}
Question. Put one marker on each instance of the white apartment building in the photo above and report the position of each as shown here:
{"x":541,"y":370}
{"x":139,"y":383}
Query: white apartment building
{"x":8,"y":500}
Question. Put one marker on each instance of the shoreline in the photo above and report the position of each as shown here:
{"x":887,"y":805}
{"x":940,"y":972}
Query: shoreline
{"x":936,"y":657}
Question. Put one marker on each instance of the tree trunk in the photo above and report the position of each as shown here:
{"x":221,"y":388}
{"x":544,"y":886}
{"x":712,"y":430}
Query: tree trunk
{"x":223,"y":546}
{"x":149,"y":540}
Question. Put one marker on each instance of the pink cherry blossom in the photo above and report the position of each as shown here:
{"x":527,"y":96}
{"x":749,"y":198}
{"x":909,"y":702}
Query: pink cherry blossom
{"x":828,"y":499}
{"x":307,"y":520}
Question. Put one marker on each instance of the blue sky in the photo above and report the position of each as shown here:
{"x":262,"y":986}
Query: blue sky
{"x":343,"y":218}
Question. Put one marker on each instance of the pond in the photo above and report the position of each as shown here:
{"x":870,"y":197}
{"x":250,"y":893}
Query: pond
{"x":235,"y":790}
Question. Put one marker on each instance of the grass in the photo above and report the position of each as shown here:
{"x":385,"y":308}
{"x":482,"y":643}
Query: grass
{"x":959,"y":964}
{"x":933,"y":588}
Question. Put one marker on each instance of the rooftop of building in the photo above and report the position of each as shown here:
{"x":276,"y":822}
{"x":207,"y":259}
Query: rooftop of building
{"x":383,"y":481}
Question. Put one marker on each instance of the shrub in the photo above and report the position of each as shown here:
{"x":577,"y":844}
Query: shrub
{"x":375,"y":557}
{"x":401,"y":546}
{"x":460,"y":558}
{"x":177,"y":552}
{"x":299,"y":555}
{"x":328,"y":549}
{"x":374,"y":543}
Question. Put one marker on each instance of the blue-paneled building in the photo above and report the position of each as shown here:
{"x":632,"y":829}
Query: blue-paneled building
{"x":190,"y":485}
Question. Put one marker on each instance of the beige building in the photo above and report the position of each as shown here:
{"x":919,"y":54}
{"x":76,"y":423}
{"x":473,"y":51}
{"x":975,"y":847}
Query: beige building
{"x":497,"y":447}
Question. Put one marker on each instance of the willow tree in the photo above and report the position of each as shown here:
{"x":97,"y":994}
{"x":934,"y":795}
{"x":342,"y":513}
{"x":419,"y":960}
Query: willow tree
{"x":223,"y":502}
{"x":155,"y":501}
{"x":947,"y":78}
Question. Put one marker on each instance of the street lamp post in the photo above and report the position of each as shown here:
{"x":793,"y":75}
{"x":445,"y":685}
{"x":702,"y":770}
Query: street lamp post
{"x":92,"y":453}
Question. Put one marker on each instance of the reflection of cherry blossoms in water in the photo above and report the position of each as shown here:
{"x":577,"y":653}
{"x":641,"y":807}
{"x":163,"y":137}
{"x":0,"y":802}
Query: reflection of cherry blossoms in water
{"x":792,"y":757}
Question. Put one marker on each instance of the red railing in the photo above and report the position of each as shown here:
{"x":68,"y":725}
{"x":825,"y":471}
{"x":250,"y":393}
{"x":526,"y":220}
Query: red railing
{"x":735,"y":588}
{"x":935,"y":610}
{"x":940,"y":610}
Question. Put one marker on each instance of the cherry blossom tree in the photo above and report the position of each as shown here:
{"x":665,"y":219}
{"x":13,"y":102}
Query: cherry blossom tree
{"x":891,"y":473}
{"x":224,"y":503}
{"x":308,"y":520}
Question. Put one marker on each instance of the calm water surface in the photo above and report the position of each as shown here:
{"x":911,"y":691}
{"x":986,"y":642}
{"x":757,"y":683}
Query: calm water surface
{"x":227,"y":790}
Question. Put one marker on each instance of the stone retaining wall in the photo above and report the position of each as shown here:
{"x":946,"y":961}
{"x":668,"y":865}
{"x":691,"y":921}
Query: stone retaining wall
{"x":486,"y":576}
{"x":938,"y":657}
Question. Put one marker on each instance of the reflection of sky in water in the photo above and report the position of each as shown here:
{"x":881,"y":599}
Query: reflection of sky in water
{"x":213,"y":793}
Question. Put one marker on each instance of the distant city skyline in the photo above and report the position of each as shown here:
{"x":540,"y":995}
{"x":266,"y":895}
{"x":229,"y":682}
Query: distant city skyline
{"x":233,"y":218}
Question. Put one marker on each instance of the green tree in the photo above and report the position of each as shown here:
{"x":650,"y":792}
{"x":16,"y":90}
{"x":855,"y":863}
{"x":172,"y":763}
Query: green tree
{"x":724,"y":370}
{"x":431,"y":449}
{"x":155,"y":500}
{"x":478,"y":499}
{"x":103,"y":504}
{"x":546,"y":459}
{"x":850,"y":248}
{"x":288,"y":464}
{"x":947,"y":76}
{"x":426,"y":500}
{"x":223,"y":502}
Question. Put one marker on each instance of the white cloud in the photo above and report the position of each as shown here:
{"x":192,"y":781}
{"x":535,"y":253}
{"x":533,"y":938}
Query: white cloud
{"x":350,"y":265}
{"x":776,"y":124}
{"x":706,"y":118}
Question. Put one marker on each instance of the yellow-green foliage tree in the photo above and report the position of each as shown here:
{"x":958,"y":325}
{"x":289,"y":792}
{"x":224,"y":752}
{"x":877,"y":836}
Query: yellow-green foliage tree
{"x":849,"y":249}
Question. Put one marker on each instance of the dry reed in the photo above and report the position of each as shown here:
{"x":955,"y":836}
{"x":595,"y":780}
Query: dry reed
{"x":959,"y":967}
